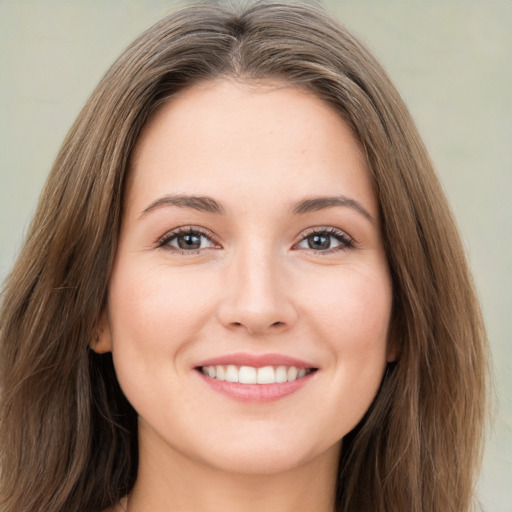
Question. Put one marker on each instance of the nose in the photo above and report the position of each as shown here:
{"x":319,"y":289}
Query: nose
{"x":256,"y":297}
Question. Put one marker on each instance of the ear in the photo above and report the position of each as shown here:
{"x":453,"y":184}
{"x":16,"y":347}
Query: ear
{"x":102,"y":339}
{"x":391,"y":351}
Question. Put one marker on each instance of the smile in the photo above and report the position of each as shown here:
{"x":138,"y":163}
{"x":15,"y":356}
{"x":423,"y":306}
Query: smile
{"x":252,"y":375}
{"x":255,"y":378}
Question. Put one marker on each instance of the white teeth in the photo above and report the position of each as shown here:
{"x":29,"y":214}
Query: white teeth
{"x":266,"y":375}
{"x":247,"y":375}
{"x":231,"y":374}
{"x":281,"y":374}
{"x":292,"y":373}
{"x":251,"y":375}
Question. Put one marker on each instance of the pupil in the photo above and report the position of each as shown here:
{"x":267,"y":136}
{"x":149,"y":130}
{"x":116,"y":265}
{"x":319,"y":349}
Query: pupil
{"x":319,"y":242}
{"x":189,"y":242}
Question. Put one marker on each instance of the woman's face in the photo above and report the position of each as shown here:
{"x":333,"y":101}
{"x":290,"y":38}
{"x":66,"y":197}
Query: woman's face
{"x":250,"y":250}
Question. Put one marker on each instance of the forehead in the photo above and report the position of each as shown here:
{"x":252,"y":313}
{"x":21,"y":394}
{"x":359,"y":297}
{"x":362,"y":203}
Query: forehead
{"x":224,"y":136}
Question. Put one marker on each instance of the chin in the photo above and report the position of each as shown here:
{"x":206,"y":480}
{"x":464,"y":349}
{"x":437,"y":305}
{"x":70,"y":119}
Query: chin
{"x":258,"y":463}
{"x":265,"y":456}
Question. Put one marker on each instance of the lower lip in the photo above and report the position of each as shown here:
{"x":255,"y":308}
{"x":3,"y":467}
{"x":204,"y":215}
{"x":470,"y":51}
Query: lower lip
{"x":259,"y":393}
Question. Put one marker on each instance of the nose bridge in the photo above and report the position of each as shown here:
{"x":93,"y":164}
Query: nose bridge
{"x":256,"y":296}
{"x":256,"y":276}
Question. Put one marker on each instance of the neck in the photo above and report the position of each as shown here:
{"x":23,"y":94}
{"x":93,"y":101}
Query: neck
{"x":180,"y":484}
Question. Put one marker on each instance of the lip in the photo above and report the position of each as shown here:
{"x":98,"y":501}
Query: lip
{"x":255,"y":360}
{"x":255,"y":393}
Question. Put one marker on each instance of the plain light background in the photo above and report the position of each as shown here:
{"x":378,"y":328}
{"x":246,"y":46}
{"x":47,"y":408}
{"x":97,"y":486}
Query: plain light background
{"x":450,"y":59}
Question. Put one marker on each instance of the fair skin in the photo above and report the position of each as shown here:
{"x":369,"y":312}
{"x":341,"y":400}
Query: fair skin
{"x":253,"y":276}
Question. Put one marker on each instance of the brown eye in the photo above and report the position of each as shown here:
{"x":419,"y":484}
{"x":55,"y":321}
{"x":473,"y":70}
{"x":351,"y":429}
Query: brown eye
{"x":326,"y":241}
{"x":189,"y":240}
{"x":319,"y":242}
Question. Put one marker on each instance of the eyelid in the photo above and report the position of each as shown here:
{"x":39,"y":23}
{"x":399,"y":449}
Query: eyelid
{"x":162,"y":241}
{"x":324,"y":229}
{"x":347,"y":241}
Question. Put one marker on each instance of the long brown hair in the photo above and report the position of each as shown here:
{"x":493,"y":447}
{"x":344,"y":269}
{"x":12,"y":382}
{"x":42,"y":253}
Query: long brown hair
{"x":69,"y":437}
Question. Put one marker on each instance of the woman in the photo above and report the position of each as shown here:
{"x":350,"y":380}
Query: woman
{"x":242,"y":288}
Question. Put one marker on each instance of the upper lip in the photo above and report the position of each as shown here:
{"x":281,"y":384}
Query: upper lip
{"x":255,"y":360}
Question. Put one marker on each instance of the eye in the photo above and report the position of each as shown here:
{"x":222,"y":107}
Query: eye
{"x":325,"y":240}
{"x":189,"y":240}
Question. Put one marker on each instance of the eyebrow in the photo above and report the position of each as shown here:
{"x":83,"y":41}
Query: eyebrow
{"x":210,"y":205}
{"x":315,"y":204}
{"x":201,"y":203}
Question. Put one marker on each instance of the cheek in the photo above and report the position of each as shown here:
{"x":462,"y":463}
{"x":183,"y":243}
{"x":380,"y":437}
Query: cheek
{"x":353,"y":308}
{"x":153,"y":316}
{"x":351,"y":317}
{"x":153,"y":305}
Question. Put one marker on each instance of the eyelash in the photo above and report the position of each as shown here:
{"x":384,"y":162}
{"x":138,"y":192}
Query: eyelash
{"x":346,"y":242}
{"x":164,"y":242}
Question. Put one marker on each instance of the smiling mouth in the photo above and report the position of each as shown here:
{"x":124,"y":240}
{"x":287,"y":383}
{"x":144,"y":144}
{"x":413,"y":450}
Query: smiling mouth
{"x":252,"y":375}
